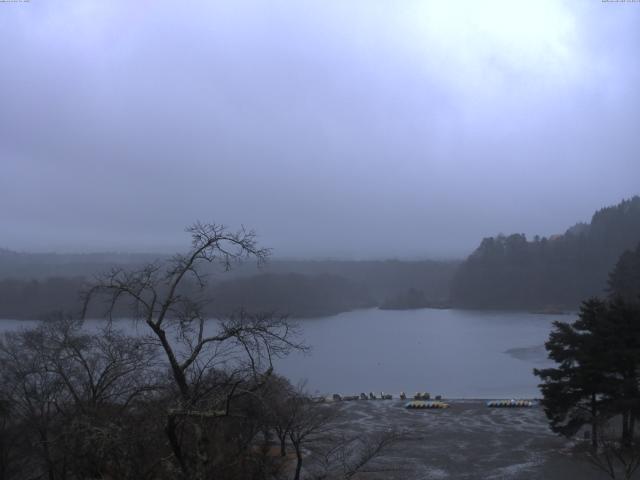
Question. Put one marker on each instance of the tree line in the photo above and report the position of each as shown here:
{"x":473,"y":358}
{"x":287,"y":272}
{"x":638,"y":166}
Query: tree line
{"x":596,"y":382}
{"x":33,"y":285}
{"x":295,"y":294}
{"x":548,"y":273}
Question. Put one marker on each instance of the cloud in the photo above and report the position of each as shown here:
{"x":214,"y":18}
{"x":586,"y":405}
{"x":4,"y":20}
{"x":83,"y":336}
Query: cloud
{"x":333,"y":128}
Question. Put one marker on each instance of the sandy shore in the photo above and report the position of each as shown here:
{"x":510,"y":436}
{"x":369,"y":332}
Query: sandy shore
{"x":467,"y":441}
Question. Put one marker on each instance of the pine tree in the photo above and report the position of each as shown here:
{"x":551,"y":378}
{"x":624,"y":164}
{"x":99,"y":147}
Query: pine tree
{"x":576,"y":392}
{"x":624,"y":280}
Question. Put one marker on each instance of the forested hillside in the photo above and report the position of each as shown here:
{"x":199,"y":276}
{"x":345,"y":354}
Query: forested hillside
{"x":32,"y":285}
{"x":503,"y":272}
{"x":548,"y":273}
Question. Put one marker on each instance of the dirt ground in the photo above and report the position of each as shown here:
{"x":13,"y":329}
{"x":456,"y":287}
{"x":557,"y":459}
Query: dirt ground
{"x":467,"y":441}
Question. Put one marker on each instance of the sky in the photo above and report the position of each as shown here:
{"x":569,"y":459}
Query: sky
{"x":342,"y":129}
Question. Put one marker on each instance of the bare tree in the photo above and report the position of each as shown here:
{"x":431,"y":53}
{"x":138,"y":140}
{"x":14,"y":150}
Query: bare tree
{"x":310,"y":422}
{"x":103,"y":368}
{"x":13,"y":442}
{"x":170,"y":299}
{"x":315,"y":435}
{"x":64,"y":385}
{"x":612,"y":456}
{"x":277,"y":403}
{"x":9,"y":456}
{"x":35,"y":395}
{"x":359,"y":453}
{"x":346,"y":457}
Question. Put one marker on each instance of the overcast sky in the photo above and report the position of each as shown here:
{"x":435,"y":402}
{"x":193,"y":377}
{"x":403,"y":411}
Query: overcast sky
{"x":355,"y":129}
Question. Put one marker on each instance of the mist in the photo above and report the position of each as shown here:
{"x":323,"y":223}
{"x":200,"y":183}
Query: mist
{"x":347,"y":130}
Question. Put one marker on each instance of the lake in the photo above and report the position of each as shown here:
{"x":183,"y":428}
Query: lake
{"x":455,"y":353}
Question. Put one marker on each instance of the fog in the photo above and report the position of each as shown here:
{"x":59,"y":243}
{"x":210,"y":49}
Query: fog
{"x":361,"y":129}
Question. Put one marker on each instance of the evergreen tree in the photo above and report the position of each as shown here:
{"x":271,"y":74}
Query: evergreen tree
{"x":624,"y":280}
{"x":575,"y":391}
{"x":620,"y":333}
{"x":598,"y":373}
{"x":556,"y":272}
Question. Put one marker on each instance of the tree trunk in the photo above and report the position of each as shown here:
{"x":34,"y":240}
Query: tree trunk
{"x":625,"y":429}
{"x":202,"y":455}
{"x":594,"y":423}
{"x":178,"y":373}
{"x":283,"y":446}
{"x":44,"y":439}
{"x":299,"y":462}
{"x":170,"y":431}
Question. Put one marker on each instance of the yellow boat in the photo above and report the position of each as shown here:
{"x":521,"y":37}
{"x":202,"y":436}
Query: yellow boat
{"x":420,"y":404}
{"x":509,"y":404}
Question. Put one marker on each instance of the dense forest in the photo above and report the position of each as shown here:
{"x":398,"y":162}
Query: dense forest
{"x":32,"y":285}
{"x":548,"y":273}
{"x":294,"y":294}
{"x":503,"y":272}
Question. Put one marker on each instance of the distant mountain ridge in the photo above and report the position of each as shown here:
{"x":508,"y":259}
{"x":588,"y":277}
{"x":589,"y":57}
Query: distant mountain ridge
{"x":555,"y":272}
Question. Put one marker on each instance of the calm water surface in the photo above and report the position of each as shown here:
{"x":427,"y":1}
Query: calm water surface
{"x":456,"y":353}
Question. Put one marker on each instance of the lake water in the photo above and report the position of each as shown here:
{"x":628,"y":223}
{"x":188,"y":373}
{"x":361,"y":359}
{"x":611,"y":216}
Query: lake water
{"x":455,"y":353}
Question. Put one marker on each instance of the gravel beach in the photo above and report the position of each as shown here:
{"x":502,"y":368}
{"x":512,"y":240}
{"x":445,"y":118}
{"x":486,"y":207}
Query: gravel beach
{"x":466,"y":441}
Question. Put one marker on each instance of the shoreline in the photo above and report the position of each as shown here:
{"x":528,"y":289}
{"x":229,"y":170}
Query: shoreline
{"x":328,"y":398}
{"x":466,"y":441}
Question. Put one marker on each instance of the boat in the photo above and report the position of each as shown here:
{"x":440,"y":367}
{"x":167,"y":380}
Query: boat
{"x":509,"y":403}
{"x":421,"y":404}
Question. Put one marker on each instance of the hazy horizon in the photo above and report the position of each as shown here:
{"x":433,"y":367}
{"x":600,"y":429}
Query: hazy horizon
{"x":336,"y":130}
{"x":278,"y":257}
